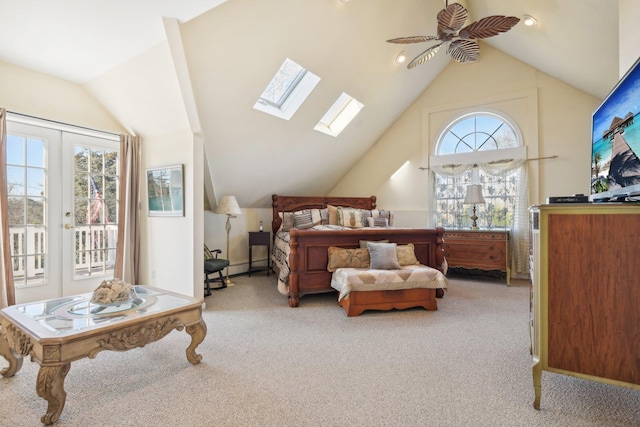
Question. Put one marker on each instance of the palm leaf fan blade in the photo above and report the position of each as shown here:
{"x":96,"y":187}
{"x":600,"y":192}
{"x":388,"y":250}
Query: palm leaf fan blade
{"x":424,"y":56}
{"x":464,"y":50}
{"x":488,"y":27}
{"x":451,"y":19}
{"x":412,"y":39}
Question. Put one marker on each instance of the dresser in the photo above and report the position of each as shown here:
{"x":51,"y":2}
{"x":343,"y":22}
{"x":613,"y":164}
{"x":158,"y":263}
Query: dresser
{"x":585,"y":293}
{"x":486,"y":250}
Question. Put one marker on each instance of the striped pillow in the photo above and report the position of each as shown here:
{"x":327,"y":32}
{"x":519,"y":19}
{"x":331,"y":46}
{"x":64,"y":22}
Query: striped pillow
{"x":303,"y":221}
{"x":378,"y":222}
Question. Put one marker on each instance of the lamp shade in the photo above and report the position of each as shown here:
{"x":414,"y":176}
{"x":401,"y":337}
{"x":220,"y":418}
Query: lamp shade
{"x":474,"y":194}
{"x":228,"y":206}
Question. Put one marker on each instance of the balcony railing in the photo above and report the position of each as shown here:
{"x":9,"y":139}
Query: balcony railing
{"x":94,"y":252}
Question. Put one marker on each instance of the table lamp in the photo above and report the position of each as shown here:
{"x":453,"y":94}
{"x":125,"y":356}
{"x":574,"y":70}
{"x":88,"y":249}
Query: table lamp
{"x":473,"y":197}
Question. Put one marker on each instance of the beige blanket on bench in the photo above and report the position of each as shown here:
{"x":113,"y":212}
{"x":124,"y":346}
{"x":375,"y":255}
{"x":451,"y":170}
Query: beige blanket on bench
{"x":346,"y":280}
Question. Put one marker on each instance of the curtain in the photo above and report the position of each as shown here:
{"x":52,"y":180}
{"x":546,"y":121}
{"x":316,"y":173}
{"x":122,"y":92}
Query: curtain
{"x":7,"y":291}
{"x":519,"y":231}
{"x":519,"y":239}
{"x":128,"y":247}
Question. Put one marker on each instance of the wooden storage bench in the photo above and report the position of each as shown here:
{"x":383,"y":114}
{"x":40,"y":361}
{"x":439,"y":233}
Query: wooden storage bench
{"x":358,"y":301}
{"x":363,"y":289}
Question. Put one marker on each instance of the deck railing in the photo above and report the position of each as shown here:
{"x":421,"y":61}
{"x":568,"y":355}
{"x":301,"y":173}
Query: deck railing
{"x":94,"y":251}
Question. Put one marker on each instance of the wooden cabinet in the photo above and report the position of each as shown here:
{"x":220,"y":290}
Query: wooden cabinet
{"x":482,"y":249}
{"x":586,"y":293}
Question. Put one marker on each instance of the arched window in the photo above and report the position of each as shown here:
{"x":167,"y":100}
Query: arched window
{"x":483,"y":148}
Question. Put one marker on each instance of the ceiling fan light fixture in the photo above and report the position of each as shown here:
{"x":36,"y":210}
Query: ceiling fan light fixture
{"x":529,"y":20}
{"x":402,"y":56}
{"x":460,"y":40}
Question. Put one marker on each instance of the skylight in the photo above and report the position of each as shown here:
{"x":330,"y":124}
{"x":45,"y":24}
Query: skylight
{"x":339,"y":115}
{"x":287,"y":90}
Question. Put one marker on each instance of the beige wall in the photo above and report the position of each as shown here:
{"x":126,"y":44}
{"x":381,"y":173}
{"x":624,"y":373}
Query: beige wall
{"x":629,"y":36}
{"x":553,"y":117}
{"x":28,"y":92}
{"x":144,"y":92}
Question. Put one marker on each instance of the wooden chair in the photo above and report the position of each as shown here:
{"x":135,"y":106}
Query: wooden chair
{"x":213,"y":264}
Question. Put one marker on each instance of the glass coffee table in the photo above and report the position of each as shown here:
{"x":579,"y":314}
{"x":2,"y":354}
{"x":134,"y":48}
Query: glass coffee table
{"x":56,"y":332}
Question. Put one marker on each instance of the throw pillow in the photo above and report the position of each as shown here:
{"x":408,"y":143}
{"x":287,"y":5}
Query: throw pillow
{"x":347,"y":258}
{"x":407,"y":255}
{"x":303,"y":221}
{"x":348,"y":217}
{"x":287,"y":220}
{"x":379,"y":213}
{"x":384,"y":256}
{"x":333,"y":214}
{"x":377,"y":222}
{"x":363,"y":243}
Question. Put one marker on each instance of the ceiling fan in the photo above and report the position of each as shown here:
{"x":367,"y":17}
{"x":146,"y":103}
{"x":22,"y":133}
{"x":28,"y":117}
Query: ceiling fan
{"x":462,"y":45}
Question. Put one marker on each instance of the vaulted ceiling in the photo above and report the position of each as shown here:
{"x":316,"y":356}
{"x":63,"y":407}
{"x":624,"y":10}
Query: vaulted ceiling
{"x":234,"y":47}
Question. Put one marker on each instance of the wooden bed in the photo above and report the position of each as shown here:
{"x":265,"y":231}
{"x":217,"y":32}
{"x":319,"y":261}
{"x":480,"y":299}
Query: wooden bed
{"x":308,"y":256}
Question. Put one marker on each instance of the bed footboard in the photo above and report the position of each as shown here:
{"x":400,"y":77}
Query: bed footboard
{"x":308,"y":258}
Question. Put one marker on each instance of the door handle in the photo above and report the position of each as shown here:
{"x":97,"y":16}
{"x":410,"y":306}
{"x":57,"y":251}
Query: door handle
{"x":68,"y":226}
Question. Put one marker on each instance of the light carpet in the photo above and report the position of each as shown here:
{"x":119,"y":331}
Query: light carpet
{"x":266,"y":364}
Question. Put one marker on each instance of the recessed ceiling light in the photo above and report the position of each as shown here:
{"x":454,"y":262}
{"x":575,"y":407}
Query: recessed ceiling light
{"x":402,"y":56}
{"x":529,"y":20}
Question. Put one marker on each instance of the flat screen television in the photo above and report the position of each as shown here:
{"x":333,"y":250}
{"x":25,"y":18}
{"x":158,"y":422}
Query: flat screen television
{"x":615,"y":141}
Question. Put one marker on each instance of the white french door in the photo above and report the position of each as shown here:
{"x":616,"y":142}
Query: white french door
{"x":62,"y":189}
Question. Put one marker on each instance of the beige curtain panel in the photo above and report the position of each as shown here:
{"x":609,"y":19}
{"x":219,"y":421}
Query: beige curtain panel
{"x":7,"y":291}
{"x":128,"y":247}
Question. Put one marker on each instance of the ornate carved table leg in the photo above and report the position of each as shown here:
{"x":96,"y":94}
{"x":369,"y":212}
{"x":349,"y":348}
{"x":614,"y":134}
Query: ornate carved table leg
{"x":15,"y":362}
{"x":197,"y":331}
{"x":50,"y":386}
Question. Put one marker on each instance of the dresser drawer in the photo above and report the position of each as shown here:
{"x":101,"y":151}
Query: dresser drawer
{"x":478,"y":249}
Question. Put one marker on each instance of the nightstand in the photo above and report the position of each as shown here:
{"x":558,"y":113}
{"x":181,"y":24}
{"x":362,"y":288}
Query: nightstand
{"x":259,"y":238}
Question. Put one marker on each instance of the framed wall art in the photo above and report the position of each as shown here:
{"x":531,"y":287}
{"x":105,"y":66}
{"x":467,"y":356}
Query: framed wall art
{"x":165,"y":191}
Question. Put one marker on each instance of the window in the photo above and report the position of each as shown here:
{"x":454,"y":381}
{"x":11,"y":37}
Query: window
{"x":95,"y":210}
{"x":500,"y":194}
{"x":287,"y":90}
{"x":27,"y":197}
{"x":477,"y":132}
{"x":493,"y":142}
{"x":339,"y":115}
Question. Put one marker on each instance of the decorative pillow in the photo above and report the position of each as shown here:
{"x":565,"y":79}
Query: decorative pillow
{"x":363,"y":243}
{"x":333,"y":214}
{"x":324,"y":216}
{"x":407,"y":255}
{"x":302,"y":221}
{"x":207,"y":253}
{"x":348,"y":217}
{"x":316,"y":215}
{"x":377,"y":222}
{"x":347,"y":258}
{"x":384,"y":256}
{"x":378,"y":213}
{"x":287,"y":218}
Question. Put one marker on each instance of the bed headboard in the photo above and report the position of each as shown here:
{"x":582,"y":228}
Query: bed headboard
{"x":296,"y":203}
